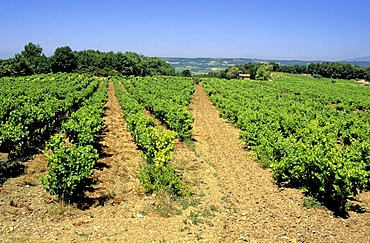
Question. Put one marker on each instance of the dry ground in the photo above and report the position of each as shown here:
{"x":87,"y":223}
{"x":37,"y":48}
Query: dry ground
{"x":234,"y":198}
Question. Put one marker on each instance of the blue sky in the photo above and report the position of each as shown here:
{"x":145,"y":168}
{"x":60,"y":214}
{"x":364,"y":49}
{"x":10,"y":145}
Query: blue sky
{"x":276,"y":29}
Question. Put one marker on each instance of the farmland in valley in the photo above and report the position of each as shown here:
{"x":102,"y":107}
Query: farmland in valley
{"x":206,"y":65}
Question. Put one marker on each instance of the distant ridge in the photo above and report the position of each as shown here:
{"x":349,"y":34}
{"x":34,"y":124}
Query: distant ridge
{"x":359,"y":59}
{"x":201,"y":65}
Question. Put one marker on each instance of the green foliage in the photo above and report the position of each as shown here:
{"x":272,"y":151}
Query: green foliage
{"x":264,"y":72}
{"x":32,"y":61}
{"x":186,"y":73}
{"x":87,"y":123}
{"x":313,"y":134}
{"x":333,"y":70}
{"x":68,"y":166}
{"x":310,"y":202}
{"x":7,"y":68}
{"x":34,"y":106}
{"x":83,"y":126}
{"x":159,"y":177}
{"x":63,"y":60}
{"x":167,"y":98}
{"x":156,"y":144}
{"x":233,"y":72}
{"x":328,"y":70}
{"x":129,"y":63}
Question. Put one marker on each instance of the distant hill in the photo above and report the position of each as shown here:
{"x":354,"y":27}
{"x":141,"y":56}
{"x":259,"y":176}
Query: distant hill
{"x":206,"y":65}
{"x":359,"y":59}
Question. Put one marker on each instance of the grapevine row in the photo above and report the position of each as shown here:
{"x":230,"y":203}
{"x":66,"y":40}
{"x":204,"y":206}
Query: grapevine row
{"x":167,"y":98}
{"x":71,"y":155}
{"x":156,"y":144}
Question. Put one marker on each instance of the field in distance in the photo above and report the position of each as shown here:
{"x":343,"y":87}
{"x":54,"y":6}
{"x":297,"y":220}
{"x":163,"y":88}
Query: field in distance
{"x":206,"y":65}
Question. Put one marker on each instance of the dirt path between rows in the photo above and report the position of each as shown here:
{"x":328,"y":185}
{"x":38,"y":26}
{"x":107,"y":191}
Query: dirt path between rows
{"x":234,"y":199}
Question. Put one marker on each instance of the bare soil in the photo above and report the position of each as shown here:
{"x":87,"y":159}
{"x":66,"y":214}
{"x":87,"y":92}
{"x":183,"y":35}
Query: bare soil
{"x":234,"y":198}
{"x":363,"y":82}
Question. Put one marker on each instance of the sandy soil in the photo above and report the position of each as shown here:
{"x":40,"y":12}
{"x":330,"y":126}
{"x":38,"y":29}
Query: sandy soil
{"x":234,"y":198}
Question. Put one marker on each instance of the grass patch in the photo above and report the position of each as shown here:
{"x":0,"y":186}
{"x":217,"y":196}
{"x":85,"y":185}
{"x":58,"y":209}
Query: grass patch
{"x":166,"y":205}
{"x":198,"y":217}
{"x":191,"y":145}
{"x":188,"y":202}
{"x":310,"y":202}
{"x":195,"y":218}
{"x":59,"y":208}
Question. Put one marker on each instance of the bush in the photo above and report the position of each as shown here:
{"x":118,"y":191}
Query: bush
{"x":157,"y":145}
{"x":67,"y":167}
{"x":159,"y":177}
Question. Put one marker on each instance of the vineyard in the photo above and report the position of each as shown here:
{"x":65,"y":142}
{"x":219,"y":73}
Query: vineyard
{"x":170,"y":107}
{"x":35,"y":106}
{"x":314,"y":135}
{"x":71,"y":106}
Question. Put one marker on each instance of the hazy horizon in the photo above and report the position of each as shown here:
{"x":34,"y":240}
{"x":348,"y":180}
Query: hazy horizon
{"x":331,"y":30}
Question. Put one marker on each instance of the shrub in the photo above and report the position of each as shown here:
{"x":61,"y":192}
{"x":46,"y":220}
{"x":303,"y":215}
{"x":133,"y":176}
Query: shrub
{"x":159,"y":177}
{"x":67,"y":167}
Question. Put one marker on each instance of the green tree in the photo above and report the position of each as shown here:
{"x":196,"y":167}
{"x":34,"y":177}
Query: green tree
{"x":264,"y":72}
{"x":274,"y":66}
{"x":7,"y":67}
{"x":186,"y":73}
{"x":158,"y":66}
{"x":132,"y":64}
{"x":63,"y":60}
{"x":31,"y":50}
{"x":31,"y":61}
{"x":233,"y":72}
{"x":87,"y":60}
{"x":251,"y":68}
{"x":359,"y":72}
{"x":367,"y":74}
{"x":313,"y":68}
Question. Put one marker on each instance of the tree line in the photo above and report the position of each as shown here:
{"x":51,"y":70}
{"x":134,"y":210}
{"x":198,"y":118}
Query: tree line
{"x":33,"y":61}
{"x":333,"y":70}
